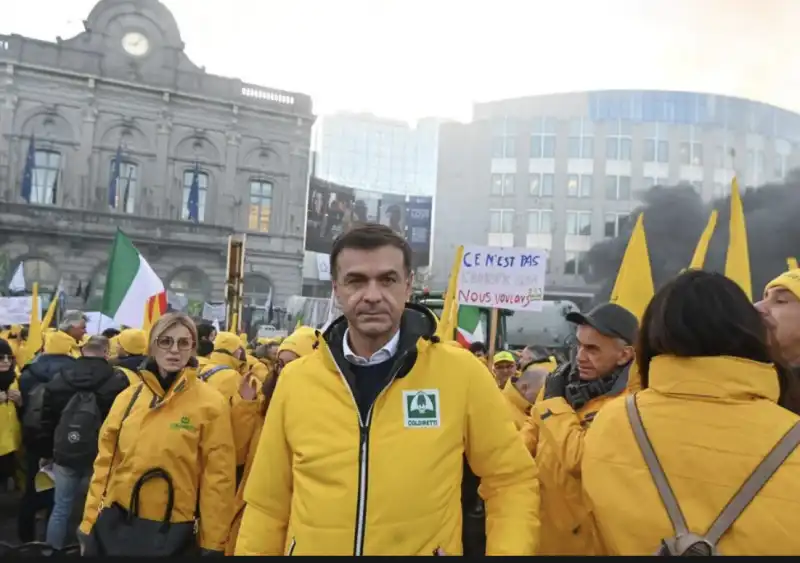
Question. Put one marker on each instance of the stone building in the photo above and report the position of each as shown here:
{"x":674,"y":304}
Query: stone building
{"x":124,"y":86}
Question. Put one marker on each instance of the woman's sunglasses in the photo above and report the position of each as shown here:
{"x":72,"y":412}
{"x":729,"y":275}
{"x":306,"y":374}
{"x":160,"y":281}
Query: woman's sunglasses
{"x":167,"y":342}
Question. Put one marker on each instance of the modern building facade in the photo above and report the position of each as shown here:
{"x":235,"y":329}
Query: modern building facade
{"x":561,"y":172}
{"x":125,"y":86}
{"x":366,"y":152}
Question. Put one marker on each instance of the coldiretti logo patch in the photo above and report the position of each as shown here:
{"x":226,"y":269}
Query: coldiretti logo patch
{"x":184,"y":424}
{"x":421,"y":408}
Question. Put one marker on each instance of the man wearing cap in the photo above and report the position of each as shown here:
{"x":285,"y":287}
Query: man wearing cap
{"x":780,"y":309}
{"x":572,"y":396}
{"x":225,"y":362}
{"x":504,"y":367}
{"x":131,"y":352}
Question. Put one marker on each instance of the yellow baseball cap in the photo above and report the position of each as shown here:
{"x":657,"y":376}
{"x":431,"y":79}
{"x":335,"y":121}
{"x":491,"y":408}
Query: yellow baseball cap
{"x":787,"y":280}
{"x":504,"y":356}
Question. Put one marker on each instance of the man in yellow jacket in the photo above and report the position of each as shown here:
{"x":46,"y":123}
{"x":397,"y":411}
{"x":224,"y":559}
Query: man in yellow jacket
{"x":780,"y":309}
{"x":554,"y":433}
{"x":223,"y":371}
{"x":374,"y":467}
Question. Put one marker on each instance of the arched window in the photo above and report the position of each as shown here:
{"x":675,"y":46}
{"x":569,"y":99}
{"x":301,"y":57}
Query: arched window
{"x":127,"y":184}
{"x":93,"y":294}
{"x":257,"y":290}
{"x":38,"y":270}
{"x":202,"y":182}
{"x":46,"y":173}
{"x":260,"y":205}
{"x":186,"y":288}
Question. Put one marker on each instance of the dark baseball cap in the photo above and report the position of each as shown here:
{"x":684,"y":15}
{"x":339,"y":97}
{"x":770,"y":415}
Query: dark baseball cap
{"x":610,"y":320}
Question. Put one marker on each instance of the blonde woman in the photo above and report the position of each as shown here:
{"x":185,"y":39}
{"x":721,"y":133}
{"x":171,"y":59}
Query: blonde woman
{"x":164,"y":478}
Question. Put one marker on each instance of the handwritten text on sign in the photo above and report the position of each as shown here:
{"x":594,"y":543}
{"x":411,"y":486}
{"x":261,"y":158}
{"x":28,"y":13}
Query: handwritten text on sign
{"x":502,"y":278}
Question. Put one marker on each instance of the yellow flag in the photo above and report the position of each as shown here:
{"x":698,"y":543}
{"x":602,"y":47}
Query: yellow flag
{"x":737,"y":260}
{"x":51,"y":311}
{"x":791,"y":263}
{"x":35,"y":341}
{"x":447,"y":324}
{"x":634,"y":286}
{"x":699,"y":258}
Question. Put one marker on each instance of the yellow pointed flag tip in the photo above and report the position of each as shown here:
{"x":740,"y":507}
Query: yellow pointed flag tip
{"x":699,"y":258}
{"x":791,"y":263}
{"x":446,"y":329}
{"x":737,"y":259}
{"x":634,"y":288}
{"x":35,"y":339}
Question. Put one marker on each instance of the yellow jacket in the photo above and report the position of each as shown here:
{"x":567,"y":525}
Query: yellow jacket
{"x":10,"y":430}
{"x":517,"y":404}
{"x":554,"y":434}
{"x":322,"y":484}
{"x":226,"y":380}
{"x":711,"y":421}
{"x":186,"y":431}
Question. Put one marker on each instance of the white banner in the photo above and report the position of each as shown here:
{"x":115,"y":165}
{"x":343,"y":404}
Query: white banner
{"x":324,"y":267}
{"x":214,"y":312}
{"x":502,"y":278}
{"x":16,"y":310}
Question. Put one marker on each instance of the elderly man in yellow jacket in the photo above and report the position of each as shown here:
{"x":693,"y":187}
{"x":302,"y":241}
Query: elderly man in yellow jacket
{"x":363,"y":444}
{"x":554,"y":432}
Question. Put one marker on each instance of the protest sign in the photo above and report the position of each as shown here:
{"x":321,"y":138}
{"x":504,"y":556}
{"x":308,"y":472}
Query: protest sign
{"x":16,"y":310}
{"x":502,"y":278}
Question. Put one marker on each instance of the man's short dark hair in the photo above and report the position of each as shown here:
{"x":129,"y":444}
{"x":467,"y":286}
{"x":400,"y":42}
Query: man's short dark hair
{"x":110,"y":332}
{"x":477,"y":347}
{"x":204,"y":330}
{"x":204,"y":347}
{"x":370,"y":236}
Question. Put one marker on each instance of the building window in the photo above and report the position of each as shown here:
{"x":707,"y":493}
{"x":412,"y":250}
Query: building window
{"x":782,"y":150}
{"x":755,"y":166}
{"x":202,"y":181}
{"x":614,"y":223}
{"x":260,"y":205}
{"x":581,"y":138}
{"x":618,"y":187}
{"x":501,"y":220}
{"x":127,"y":184}
{"x":722,"y":153}
{"x":542,"y":185}
{"x":656,"y":181}
{"x":579,"y":185}
{"x":721,"y":191}
{"x":543,"y":138}
{"x":576,"y":264}
{"x":692,"y":149}
{"x":618,"y":140}
{"x":504,"y":139}
{"x":540,"y":221}
{"x":579,"y":223}
{"x":502,"y":184}
{"x":46,"y":171}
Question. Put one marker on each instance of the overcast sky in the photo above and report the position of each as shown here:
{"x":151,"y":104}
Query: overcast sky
{"x":414,"y":58}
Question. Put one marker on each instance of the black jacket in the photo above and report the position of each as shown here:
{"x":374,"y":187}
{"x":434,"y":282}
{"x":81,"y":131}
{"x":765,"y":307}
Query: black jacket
{"x":132,"y":363}
{"x":86,"y":374}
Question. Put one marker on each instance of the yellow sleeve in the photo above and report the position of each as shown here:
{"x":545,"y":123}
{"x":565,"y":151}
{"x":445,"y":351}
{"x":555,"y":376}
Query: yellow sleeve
{"x":103,"y":461}
{"x":561,"y":427}
{"x":244,"y":415}
{"x":530,"y":436}
{"x":509,"y":483}
{"x":268,"y":492}
{"x":217,"y":481}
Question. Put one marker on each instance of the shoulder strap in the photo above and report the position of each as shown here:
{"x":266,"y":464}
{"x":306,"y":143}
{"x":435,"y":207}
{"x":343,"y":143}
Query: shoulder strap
{"x":760,"y":477}
{"x":205,"y":375}
{"x":116,"y":442}
{"x":656,"y":471}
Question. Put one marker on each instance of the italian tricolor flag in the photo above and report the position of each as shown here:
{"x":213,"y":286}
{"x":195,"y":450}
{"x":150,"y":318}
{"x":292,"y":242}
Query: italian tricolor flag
{"x":132,"y":287}
{"x":470,"y":326}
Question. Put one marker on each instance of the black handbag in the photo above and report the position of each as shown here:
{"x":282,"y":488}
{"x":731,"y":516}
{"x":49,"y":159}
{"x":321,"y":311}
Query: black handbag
{"x":123,"y":532}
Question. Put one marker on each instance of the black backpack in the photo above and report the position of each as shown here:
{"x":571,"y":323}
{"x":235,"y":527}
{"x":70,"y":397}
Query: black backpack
{"x":32,"y":417}
{"x":686,"y":542}
{"x":78,"y":431}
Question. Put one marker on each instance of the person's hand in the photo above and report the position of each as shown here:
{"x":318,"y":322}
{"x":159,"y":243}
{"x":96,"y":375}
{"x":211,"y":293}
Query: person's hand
{"x":247,"y":388}
{"x":15,"y":396}
{"x":439,"y":551}
{"x":3,"y":397}
{"x":556,"y":383}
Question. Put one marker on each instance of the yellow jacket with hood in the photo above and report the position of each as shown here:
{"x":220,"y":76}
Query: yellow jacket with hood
{"x":228,"y":379}
{"x":186,"y":431}
{"x":711,"y":421}
{"x":326,"y":482}
{"x":554,"y":434}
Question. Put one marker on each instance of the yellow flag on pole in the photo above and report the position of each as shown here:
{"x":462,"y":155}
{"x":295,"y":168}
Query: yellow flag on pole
{"x":699,"y":258}
{"x":446,"y":329}
{"x":737,"y":260}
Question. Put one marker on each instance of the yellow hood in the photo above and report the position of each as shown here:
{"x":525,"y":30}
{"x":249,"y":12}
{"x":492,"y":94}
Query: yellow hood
{"x":59,"y":342}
